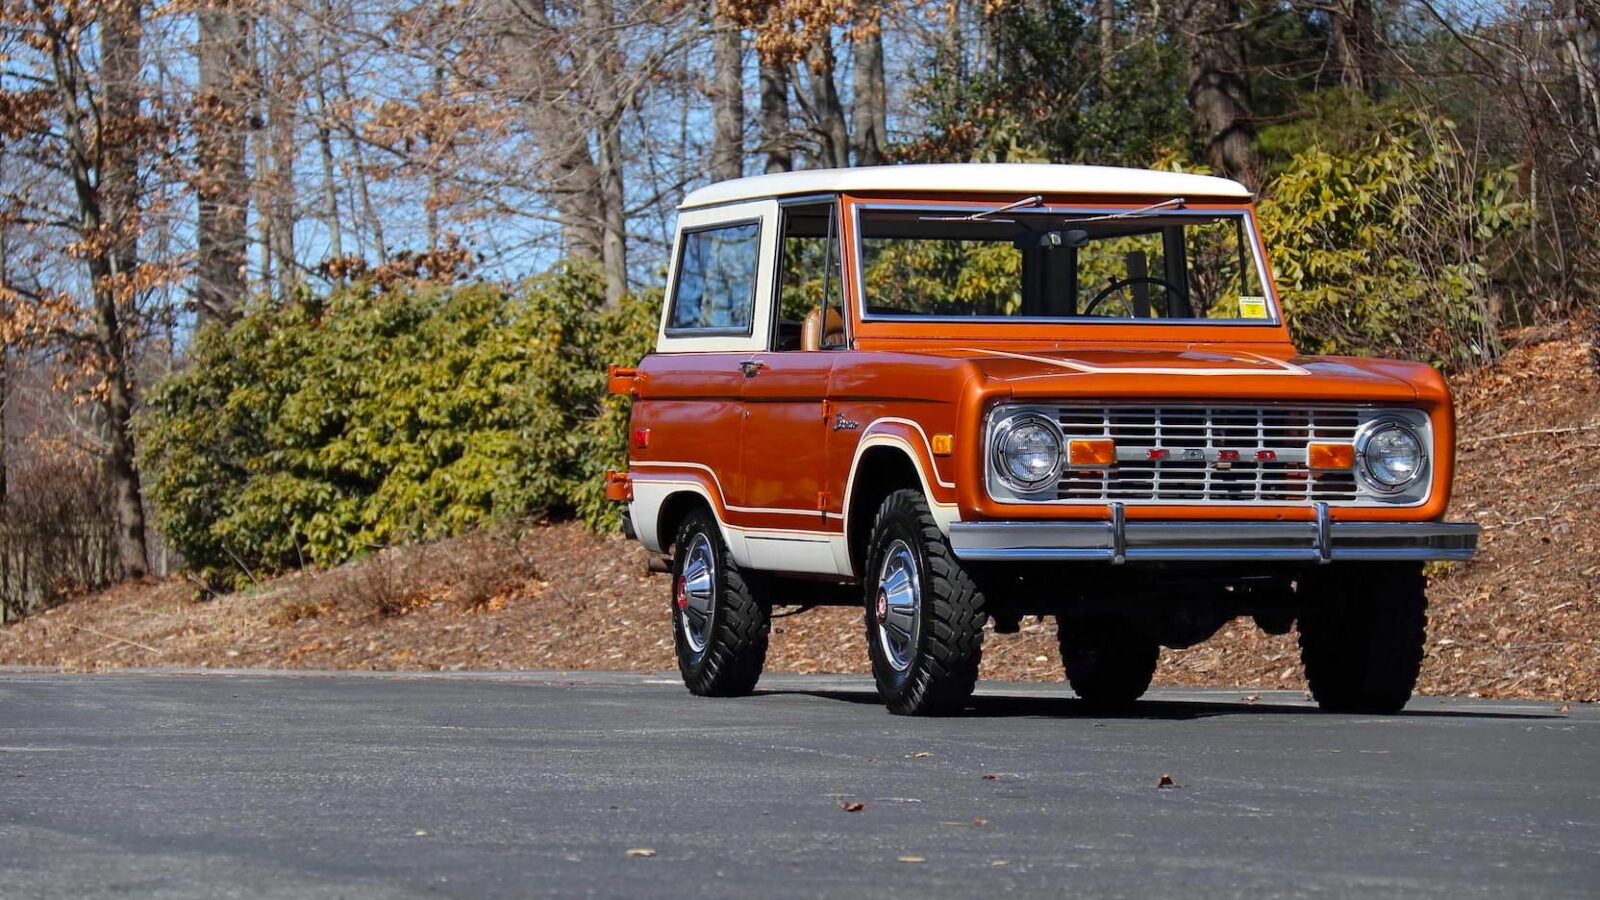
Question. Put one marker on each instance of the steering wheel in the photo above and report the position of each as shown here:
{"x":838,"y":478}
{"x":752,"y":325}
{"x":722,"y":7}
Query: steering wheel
{"x":1118,"y":284}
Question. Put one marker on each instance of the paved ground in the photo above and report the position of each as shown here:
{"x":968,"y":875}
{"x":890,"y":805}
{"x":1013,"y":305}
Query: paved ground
{"x":491,"y":785}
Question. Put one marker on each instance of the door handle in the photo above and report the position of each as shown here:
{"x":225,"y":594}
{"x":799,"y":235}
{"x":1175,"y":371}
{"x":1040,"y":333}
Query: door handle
{"x":751,"y":366}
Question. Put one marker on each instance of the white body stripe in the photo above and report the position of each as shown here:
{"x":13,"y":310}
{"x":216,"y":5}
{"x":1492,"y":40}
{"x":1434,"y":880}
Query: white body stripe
{"x":781,"y":549}
{"x":1283,"y":368}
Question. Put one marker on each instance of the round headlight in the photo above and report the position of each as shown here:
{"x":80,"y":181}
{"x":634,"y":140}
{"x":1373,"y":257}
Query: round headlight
{"x":1392,"y":456}
{"x":1027,"y":451}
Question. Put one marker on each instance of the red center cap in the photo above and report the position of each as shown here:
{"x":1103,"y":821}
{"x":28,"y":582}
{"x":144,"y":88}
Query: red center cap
{"x":680,"y":592}
{"x":881,"y":609}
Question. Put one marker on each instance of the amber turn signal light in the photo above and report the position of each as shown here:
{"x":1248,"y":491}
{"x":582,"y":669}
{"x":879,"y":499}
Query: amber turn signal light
{"x":1091,"y":453}
{"x":944,"y":444}
{"x":1330,"y":456}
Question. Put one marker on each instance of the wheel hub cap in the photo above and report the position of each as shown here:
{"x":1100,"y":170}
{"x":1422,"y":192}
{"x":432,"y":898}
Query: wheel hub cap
{"x":695,"y":592}
{"x":898,"y":606}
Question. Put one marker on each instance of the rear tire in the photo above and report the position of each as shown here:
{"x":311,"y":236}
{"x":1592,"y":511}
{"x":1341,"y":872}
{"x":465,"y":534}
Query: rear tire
{"x":1109,"y":661}
{"x":1362,"y":635}
{"x":719,"y":619}
{"x":924,"y":613}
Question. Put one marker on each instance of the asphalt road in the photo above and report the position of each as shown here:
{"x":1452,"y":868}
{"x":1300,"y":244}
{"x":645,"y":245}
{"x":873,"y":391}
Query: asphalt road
{"x":490,"y":785}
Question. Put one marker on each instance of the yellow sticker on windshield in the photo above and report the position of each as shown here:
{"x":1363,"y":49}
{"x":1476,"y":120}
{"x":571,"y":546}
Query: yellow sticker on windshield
{"x":1252,"y":307}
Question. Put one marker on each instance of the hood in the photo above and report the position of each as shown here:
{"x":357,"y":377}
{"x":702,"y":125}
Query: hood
{"x":1191,"y":373}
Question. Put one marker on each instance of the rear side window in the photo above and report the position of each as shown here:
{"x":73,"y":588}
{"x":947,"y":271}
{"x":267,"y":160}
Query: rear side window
{"x":716,"y":290}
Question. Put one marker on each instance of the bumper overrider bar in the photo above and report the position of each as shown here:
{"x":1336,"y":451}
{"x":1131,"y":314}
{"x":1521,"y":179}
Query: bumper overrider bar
{"x":1119,"y":541}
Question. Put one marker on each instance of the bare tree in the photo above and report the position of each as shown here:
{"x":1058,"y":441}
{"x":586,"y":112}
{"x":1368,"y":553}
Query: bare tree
{"x":222,"y":184}
{"x":113,"y":269}
{"x":1219,"y":95}
{"x":727,"y":97}
{"x":1355,"y":44}
{"x":869,"y":104}
{"x":829,"y":128}
{"x":775,"y":138}
{"x":1106,"y":33}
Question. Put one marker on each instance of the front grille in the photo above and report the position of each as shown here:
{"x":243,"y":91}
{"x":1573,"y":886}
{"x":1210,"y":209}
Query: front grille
{"x":1202,"y":433}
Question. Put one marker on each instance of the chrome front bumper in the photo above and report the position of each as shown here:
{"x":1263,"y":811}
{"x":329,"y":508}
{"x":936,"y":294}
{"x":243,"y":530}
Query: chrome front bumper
{"x":1119,"y":541}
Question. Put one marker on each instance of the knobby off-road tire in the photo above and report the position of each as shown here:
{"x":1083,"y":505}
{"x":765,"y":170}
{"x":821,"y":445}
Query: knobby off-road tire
{"x":924,"y":613}
{"x":719,"y":619}
{"x":1362,"y":635}
{"x":1109,"y":662}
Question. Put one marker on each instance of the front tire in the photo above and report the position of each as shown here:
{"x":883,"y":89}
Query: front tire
{"x":1362,"y":635}
{"x":719,"y":621}
{"x":924,"y":613}
{"x":1109,"y":662}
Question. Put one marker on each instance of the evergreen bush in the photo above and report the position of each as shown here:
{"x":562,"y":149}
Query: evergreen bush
{"x":314,"y":431}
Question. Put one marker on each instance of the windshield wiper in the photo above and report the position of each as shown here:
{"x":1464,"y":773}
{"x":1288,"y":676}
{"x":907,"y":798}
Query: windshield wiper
{"x":1174,"y":203}
{"x":981,"y":215}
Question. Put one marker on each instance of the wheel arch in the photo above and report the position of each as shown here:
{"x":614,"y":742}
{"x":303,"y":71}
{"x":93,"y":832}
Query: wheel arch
{"x":675,"y":508}
{"x":883,"y":468}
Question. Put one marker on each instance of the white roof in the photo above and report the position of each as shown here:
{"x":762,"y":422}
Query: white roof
{"x":998,"y":178}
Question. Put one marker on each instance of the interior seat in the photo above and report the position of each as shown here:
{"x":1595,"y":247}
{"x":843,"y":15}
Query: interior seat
{"x":813,"y":334}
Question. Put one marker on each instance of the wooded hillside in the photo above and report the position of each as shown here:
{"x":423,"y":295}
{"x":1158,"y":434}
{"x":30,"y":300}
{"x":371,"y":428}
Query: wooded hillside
{"x":1427,"y":173}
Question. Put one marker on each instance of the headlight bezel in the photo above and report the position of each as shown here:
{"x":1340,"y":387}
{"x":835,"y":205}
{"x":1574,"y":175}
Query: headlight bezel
{"x":1003,"y":429}
{"x":1365,"y":471}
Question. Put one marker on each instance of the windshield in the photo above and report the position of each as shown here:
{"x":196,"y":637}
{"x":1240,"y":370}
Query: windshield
{"x":1137,"y":265}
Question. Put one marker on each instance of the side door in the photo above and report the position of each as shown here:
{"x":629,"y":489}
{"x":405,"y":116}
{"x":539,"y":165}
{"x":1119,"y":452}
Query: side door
{"x":689,"y":420}
{"x":792,"y":524}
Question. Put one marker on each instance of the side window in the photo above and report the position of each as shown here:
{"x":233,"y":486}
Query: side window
{"x":716,"y":287}
{"x":811,"y":296}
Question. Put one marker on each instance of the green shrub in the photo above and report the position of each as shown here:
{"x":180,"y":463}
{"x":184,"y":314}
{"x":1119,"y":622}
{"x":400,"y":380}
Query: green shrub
{"x":314,"y":431}
{"x":1389,"y":246}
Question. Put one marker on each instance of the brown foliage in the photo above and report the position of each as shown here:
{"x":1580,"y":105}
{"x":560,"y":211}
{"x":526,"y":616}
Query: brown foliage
{"x":56,"y":538}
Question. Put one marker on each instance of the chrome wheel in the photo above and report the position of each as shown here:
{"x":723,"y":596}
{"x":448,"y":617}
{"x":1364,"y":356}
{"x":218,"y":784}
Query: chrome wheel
{"x":898,"y":604}
{"x":695,"y":592}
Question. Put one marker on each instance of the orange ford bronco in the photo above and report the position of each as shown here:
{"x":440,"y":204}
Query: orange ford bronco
{"x":952,"y":394}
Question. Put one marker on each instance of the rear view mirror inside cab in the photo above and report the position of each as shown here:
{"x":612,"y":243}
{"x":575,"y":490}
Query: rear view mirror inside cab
{"x":1033,"y":240}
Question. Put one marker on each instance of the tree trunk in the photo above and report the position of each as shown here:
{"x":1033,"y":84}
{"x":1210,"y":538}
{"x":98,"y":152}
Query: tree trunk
{"x":1585,"y":77}
{"x":727,"y":98}
{"x":5,"y":395}
{"x":603,"y":111}
{"x":5,"y":365}
{"x":775,"y":144}
{"x":221,"y":182}
{"x":833,"y":133}
{"x":1219,"y":95}
{"x":435,"y":158}
{"x":113,"y":270}
{"x":281,"y":122}
{"x":869,"y":107}
{"x":614,"y":249}
{"x":1106,"y":21}
{"x":567,"y":171}
{"x":1355,"y":45}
